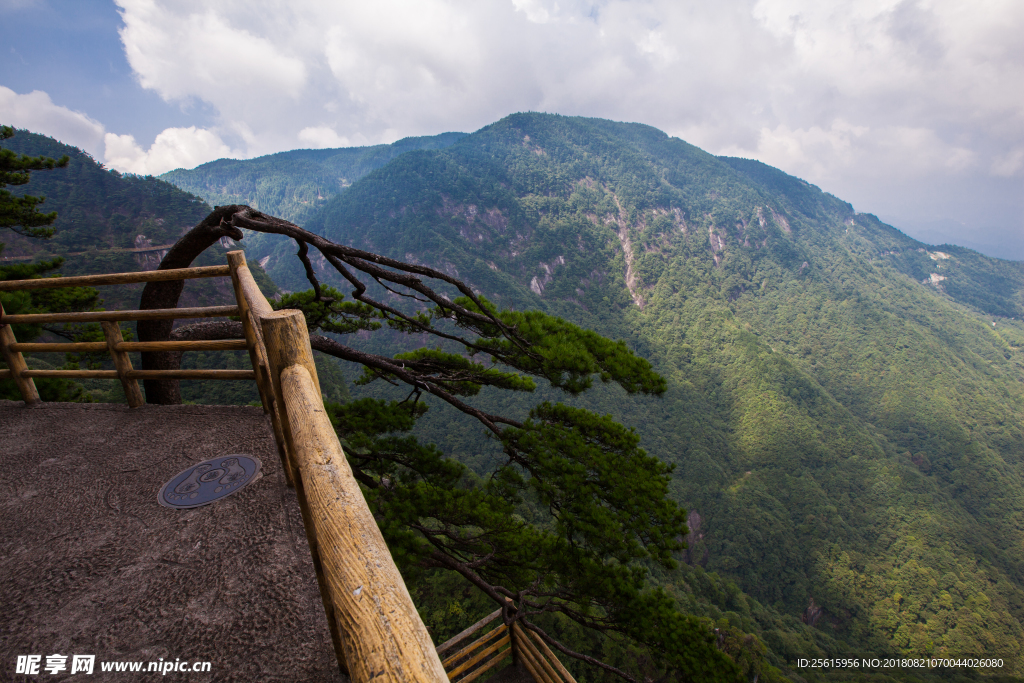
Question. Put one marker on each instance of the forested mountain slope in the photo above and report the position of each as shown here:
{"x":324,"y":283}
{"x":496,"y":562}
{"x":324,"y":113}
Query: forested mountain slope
{"x":845,"y":402}
{"x":294,"y":184}
{"x":108,"y":223}
{"x":99,"y":209}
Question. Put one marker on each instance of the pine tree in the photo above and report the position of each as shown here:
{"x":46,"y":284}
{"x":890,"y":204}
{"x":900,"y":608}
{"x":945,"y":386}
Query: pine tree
{"x":574,"y":513}
{"x":21,"y":216}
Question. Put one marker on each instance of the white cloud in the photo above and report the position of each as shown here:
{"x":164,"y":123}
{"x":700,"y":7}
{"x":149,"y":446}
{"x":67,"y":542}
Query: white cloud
{"x":321,"y":137}
{"x":173,"y":148}
{"x":194,"y":51}
{"x":37,"y":112}
{"x":863,"y":98}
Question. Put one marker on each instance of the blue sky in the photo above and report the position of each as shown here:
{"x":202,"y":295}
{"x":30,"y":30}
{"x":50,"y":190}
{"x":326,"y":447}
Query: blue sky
{"x":909,"y":109}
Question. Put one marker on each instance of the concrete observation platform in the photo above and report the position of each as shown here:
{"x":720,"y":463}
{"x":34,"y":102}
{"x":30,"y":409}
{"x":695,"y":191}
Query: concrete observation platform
{"x":92,"y":564}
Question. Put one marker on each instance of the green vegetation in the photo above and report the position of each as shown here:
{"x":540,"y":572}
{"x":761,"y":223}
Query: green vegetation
{"x":20,"y":215}
{"x":847,"y":433}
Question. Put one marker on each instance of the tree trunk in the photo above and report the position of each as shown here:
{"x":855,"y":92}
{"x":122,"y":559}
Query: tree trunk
{"x":165,"y":295}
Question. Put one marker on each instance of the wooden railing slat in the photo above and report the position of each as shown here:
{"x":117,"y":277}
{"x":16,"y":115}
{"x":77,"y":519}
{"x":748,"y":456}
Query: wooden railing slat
{"x":487,"y":666}
{"x":5,"y":374}
{"x":72,"y":374}
{"x":479,"y":656}
{"x":193,"y":374}
{"x":97,"y":316}
{"x":469,"y":631}
{"x":59,"y":347}
{"x":145,"y":374}
{"x":86,"y":347}
{"x":199,"y":345}
{"x":115,"y":278}
{"x":551,"y":656}
{"x":531,"y":658}
{"x":472,"y":646}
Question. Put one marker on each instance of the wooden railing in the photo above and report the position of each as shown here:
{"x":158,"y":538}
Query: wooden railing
{"x":492,"y":648}
{"x":18,"y":370}
{"x":376,"y":631}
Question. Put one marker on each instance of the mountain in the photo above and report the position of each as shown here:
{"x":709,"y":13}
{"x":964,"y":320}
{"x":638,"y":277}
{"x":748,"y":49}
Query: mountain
{"x":294,"y":184}
{"x":845,"y":402}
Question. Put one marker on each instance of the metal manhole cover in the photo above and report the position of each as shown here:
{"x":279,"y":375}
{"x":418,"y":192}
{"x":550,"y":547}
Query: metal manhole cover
{"x":210,"y":480}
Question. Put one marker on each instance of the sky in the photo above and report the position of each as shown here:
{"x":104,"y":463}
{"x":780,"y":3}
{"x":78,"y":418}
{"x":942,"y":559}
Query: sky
{"x":912,"y":110}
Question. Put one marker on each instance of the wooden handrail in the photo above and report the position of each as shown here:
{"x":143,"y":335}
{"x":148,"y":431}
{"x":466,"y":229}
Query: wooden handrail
{"x":143,"y":374}
{"x":253,"y":305}
{"x":381,"y":634}
{"x":86,"y":347}
{"x":11,"y":350}
{"x":97,"y":316}
{"x":115,"y":278}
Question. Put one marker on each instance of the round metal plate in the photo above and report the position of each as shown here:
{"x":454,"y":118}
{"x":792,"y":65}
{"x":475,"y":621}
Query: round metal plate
{"x":210,"y":481}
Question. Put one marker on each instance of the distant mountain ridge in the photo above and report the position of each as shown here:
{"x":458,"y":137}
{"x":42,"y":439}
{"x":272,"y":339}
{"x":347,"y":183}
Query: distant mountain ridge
{"x":294,"y":184}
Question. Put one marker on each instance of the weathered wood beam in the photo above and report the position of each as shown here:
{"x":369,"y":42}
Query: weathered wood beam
{"x":86,"y":347}
{"x":115,"y":278}
{"x":381,"y":634}
{"x":97,"y":316}
{"x":145,"y":374}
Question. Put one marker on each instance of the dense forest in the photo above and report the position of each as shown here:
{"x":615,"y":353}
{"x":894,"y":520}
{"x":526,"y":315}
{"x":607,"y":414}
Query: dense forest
{"x":844,"y":402}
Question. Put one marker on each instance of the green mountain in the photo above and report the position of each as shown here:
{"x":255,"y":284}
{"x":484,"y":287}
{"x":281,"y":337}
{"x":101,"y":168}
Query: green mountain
{"x":844,"y":404}
{"x":293,"y":185}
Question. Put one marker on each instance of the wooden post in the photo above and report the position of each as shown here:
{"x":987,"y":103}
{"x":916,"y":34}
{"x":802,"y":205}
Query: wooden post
{"x":16,"y":362}
{"x":112,"y":331}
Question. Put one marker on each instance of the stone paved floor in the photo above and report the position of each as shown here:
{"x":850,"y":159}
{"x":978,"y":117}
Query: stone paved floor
{"x":92,"y":564}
